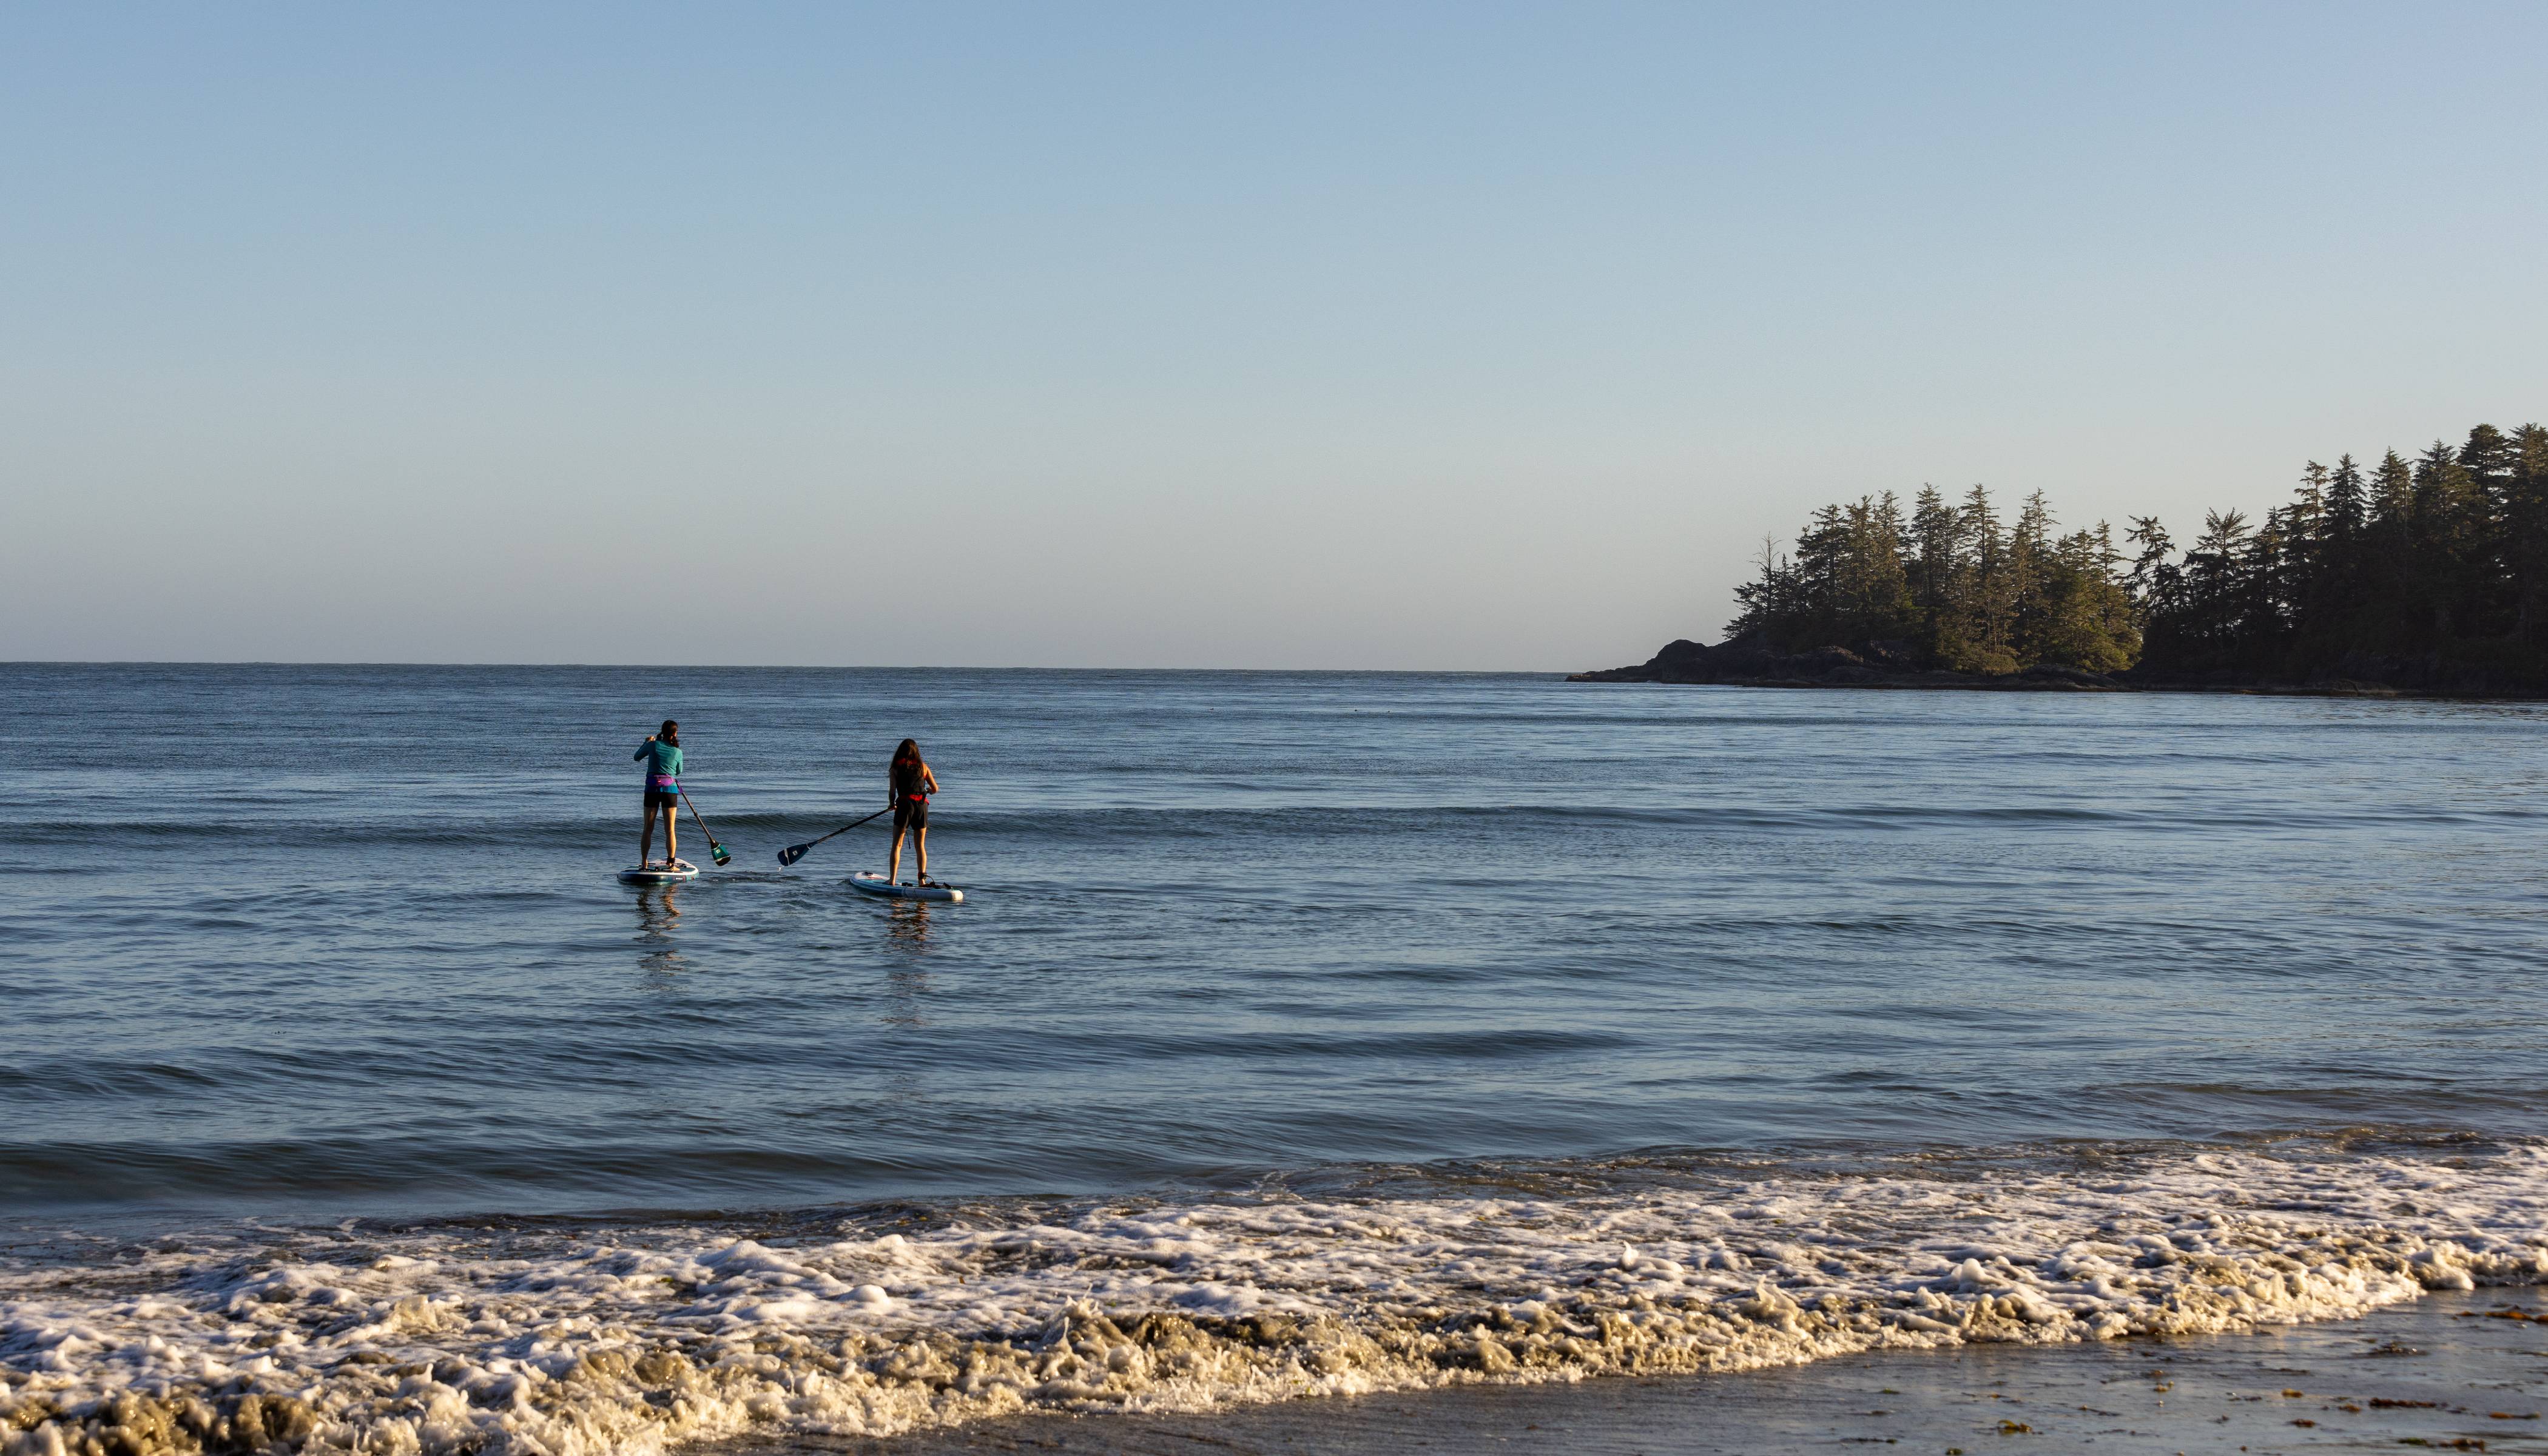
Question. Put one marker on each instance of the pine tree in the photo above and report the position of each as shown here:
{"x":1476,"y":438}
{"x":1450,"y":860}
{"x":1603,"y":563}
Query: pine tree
{"x":2030,"y":550}
{"x":1937,"y":560}
{"x":1984,"y":605}
{"x":2447,"y":525}
{"x":2330,"y":597}
{"x":2344,"y":500}
{"x":1767,"y":597}
{"x":2216,"y":587}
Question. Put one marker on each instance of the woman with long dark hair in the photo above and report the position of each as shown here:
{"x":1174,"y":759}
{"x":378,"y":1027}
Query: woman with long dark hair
{"x":908,"y":786}
{"x":662,"y":756}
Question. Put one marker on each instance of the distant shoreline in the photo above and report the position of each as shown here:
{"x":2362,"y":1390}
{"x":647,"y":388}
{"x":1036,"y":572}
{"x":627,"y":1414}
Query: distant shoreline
{"x":1746,"y":664}
{"x":2013,"y":684}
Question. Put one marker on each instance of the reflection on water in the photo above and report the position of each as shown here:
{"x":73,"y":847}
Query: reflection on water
{"x":907,"y":925}
{"x":904,"y":990}
{"x":662,"y":965}
{"x":658,"y":908}
{"x":906,"y":931}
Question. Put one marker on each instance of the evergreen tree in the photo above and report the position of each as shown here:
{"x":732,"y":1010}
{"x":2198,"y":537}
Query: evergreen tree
{"x":2331,"y":593}
{"x":2445,"y":527}
{"x":1981,"y":614}
{"x":1938,"y":553}
{"x":2344,"y":500}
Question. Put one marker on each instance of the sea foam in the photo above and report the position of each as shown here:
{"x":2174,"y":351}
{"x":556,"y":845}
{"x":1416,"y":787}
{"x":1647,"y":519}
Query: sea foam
{"x":540,"y":1338}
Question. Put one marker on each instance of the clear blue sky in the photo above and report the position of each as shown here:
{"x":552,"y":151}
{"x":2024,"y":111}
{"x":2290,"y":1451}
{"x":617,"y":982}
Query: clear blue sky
{"x":1467,"y":335}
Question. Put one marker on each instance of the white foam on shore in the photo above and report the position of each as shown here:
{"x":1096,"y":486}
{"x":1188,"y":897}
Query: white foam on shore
{"x":541,"y":1341}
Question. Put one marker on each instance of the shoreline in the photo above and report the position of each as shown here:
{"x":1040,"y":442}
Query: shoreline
{"x":1919,"y":683}
{"x":2447,"y":1371}
{"x":1750,"y":662}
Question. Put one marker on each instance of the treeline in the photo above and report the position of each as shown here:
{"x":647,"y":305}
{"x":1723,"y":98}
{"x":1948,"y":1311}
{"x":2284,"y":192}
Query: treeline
{"x":2433,"y":570}
{"x":1953,"y":585}
{"x":2443,"y":558}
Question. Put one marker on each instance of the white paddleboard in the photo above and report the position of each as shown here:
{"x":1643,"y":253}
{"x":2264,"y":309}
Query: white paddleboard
{"x":681,"y":870}
{"x":872,"y":883}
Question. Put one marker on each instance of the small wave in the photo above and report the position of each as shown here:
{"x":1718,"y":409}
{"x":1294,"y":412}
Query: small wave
{"x":77,"y":1081}
{"x":551,"y":1338}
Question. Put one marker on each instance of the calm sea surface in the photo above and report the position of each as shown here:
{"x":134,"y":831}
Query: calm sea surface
{"x":324,"y":941}
{"x":1299,"y":1034}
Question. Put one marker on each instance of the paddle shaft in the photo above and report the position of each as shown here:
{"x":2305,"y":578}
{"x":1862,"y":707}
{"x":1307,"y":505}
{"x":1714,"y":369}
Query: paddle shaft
{"x":794,"y":852}
{"x":713,"y":846}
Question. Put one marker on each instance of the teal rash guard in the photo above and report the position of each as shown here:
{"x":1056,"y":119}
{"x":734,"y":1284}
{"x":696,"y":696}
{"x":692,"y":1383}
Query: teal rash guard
{"x":663,"y":765}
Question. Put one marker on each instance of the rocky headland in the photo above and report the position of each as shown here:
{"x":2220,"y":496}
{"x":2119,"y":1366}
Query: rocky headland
{"x":1749,"y":661}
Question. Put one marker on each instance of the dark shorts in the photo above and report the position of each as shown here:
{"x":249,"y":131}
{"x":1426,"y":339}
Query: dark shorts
{"x":655,"y":800}
{"x":910,"y":815}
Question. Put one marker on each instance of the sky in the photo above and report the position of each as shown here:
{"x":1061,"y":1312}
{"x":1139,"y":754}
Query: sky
{"x":1369,"y":335}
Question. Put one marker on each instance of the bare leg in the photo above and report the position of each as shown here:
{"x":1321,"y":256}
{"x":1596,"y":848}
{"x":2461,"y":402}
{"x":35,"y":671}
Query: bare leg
{"x":920,"y":848}
{"x":646,"y":840}
{"x":893,"y":861}
{"x":672,"y":850}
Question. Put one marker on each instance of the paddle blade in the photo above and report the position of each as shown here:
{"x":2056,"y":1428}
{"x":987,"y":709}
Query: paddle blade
{"x":719,"y":852}
{"x":792,"y":853}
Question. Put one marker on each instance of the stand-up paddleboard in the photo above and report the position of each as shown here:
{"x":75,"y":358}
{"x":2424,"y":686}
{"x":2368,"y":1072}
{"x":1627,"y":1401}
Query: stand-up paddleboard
{"x":677,"y":872}
{"x":870,"y":882}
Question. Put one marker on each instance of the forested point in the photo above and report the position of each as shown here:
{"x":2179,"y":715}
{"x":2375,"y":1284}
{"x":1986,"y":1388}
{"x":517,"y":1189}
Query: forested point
{"x":2423,"y":575}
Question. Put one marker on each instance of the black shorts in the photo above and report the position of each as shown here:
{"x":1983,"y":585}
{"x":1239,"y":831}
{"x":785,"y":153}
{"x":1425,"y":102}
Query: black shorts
{"x":655,"y":799}
{"x":910,"y":814}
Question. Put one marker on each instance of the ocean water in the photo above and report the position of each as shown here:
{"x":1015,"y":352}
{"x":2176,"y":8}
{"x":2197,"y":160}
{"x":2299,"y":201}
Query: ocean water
{"x":1300,"y":1032}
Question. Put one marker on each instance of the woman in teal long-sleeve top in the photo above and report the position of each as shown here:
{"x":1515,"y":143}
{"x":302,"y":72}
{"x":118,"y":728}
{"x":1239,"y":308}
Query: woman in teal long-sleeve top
{"x":662,"y":756}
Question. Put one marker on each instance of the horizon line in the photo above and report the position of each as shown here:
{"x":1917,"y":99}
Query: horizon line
{"x":6,"y":664}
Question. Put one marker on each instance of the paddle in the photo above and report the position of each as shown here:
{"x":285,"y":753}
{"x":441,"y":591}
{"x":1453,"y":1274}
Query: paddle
{"x":794,"y":852}
{"x":716,"y":852}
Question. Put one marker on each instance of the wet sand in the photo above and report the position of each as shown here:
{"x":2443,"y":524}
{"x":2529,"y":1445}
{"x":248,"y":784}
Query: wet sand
{"x":2450,"y":1371}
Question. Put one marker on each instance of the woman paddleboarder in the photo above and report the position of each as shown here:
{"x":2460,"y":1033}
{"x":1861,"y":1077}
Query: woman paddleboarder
{"x":662,"y":756}
{"x":908,"y":786}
